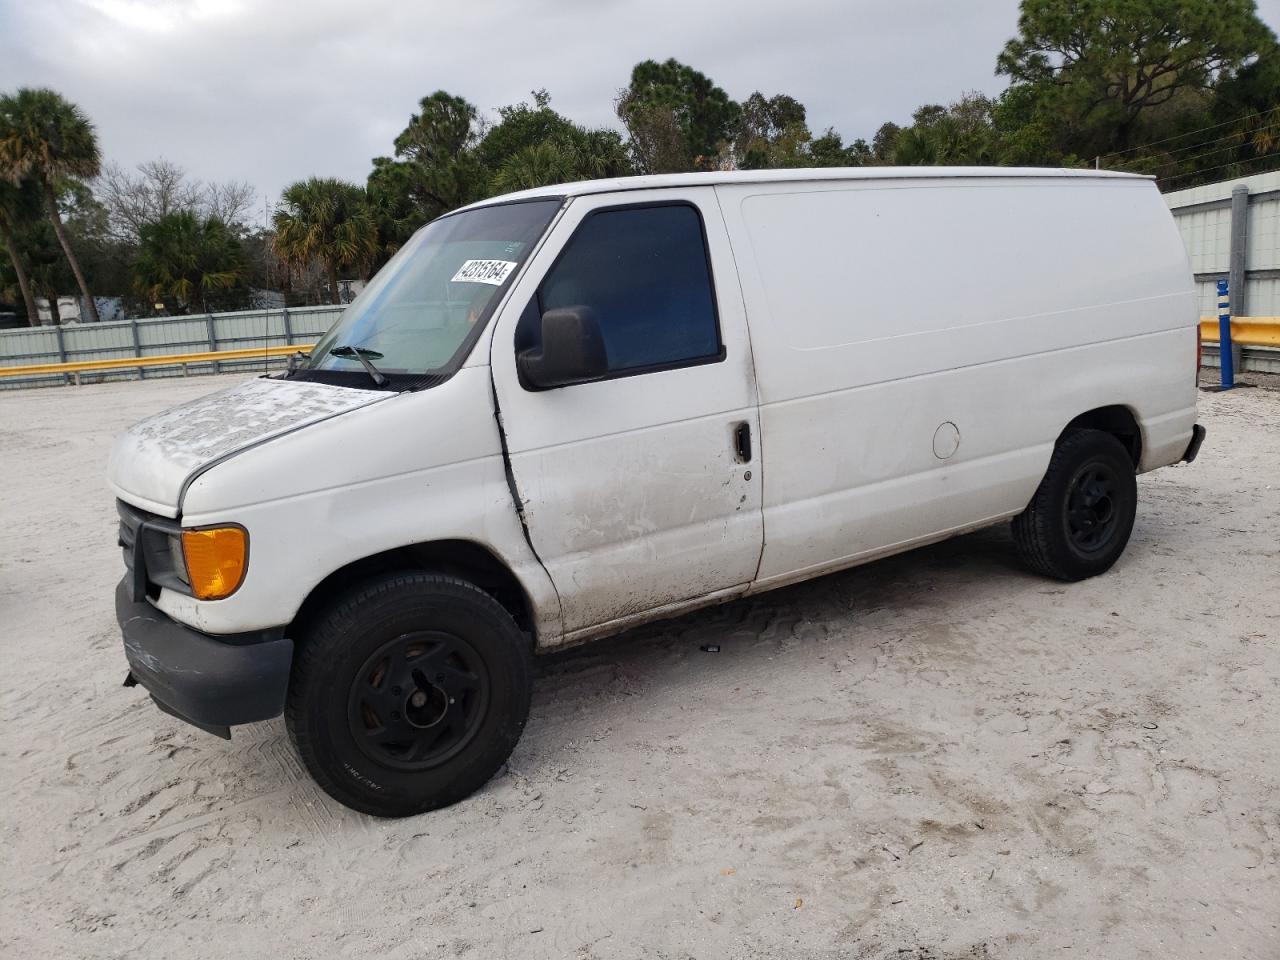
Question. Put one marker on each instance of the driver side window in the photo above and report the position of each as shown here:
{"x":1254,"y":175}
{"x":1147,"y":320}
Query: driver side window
{"x":645,"y":273}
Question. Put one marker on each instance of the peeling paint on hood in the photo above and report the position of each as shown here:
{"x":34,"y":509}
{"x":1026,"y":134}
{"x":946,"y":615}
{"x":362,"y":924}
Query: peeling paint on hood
{"x":153,"y":459}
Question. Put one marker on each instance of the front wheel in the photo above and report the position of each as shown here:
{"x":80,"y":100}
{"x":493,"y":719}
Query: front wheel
{"x":409,"y":693}
{"x":1080,"y":518}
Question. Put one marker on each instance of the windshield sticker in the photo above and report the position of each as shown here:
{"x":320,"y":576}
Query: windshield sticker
{"x":484,"y":271}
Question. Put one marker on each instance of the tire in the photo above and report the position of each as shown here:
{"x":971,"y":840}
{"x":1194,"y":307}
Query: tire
{"x":408,"y":693}
{"x":1080,"y":518}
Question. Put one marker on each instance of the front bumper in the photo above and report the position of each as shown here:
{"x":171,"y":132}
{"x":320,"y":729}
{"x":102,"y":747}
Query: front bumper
{"x":210,"y":682}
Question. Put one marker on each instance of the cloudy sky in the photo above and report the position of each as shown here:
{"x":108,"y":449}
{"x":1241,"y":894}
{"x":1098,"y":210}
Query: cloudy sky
{"x":270,"y":91}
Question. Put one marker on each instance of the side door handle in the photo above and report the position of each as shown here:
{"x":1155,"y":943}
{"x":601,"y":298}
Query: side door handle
{"x":742,"y":442}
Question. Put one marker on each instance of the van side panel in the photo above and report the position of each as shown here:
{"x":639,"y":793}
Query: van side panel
{"x":882,"y":312}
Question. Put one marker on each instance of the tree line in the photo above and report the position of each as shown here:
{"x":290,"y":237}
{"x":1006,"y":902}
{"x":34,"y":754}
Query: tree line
{"x":1187,"y":90}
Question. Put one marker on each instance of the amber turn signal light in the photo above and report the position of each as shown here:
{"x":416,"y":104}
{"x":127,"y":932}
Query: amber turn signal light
{"x":216,"y":560}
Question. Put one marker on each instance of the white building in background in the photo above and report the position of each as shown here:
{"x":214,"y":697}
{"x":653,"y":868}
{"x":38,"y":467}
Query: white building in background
{"x":268,"y":299}
{"x":109,"y":308}
{"x":348,"y":290}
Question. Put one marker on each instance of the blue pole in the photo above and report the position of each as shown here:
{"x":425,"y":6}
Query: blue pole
{"x":1224,"y":337}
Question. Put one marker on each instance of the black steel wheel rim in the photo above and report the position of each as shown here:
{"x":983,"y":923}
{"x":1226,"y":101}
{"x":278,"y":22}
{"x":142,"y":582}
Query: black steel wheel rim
{"x":418,"y":700}
{"x":1093,"y":513}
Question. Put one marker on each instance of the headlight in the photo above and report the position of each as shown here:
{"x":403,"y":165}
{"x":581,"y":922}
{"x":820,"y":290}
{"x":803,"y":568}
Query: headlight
{"x":216,"y":560}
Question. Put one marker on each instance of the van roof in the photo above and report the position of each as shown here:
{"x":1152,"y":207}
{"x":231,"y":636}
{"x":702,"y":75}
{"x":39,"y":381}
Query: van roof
{"x":802,"y":175}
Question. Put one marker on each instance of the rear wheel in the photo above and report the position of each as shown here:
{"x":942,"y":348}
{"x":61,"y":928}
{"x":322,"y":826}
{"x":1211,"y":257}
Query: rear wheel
{"x":1080,"y":518}
{"x":409,"y":693}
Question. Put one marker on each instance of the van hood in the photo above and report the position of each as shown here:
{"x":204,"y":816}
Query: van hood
{"x":152,"y":462}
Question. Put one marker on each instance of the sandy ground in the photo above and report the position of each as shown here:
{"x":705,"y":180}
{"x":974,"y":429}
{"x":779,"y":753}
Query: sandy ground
{"x":935,"y":756}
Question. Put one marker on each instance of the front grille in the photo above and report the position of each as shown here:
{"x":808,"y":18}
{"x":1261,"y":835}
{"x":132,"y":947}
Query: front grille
{"x":145,"y":542}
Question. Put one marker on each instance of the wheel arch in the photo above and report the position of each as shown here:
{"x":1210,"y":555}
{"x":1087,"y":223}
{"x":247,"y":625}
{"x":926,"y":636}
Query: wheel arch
{"x":464,"y":559}
{"x":1117,"y":420}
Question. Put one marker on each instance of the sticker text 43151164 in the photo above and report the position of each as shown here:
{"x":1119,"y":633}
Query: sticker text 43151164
{"x":484,"y":271}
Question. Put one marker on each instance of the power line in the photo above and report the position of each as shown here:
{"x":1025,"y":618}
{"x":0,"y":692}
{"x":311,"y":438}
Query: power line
{"x":1182,"y":136}
{"x":1181,"y":155}
{"x":1189,"y":133}
{"x":1233,"y":163}
{"x":1238,"y":137}
{"x":1169,"y":159}
{"x":1209,"y":153}
{"x":1196,"y":173}
{"x":1166,"y":160}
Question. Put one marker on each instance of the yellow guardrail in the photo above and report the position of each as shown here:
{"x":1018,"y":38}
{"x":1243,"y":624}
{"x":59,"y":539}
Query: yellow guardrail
{"x":1247,"y":331}
{"x":74,"y":368}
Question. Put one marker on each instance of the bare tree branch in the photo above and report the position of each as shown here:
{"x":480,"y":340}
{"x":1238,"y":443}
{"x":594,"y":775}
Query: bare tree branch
{"x":157,"y":188}
{"x":230,"y":201}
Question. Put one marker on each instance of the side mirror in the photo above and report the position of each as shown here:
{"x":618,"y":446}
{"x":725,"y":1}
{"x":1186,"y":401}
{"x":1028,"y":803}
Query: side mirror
{"x":572,"y":350}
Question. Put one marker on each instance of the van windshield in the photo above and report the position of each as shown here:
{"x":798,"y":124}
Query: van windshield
{"x":422,"y":312}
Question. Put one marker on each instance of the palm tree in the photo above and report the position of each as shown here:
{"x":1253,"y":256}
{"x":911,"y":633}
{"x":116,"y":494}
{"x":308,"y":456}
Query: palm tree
{"x":578,"y":155}
{"x":327,"y":220}
{"x":48,"y":139}
{"x":537,"y":165}
{"x":47,"y":277}
{"x":919,"y":146}
{"x":18,"y":205}
{"x":182,"y":256}
{"x":600,"y":153}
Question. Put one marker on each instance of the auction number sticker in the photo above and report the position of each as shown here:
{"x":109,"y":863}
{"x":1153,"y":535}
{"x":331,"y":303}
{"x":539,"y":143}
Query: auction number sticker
{"x":484,"y":271}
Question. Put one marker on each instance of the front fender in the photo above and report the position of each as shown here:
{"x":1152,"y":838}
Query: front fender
{"x":421,"y":467}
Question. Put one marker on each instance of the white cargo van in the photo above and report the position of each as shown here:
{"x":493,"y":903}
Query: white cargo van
{"x":559,"y":413}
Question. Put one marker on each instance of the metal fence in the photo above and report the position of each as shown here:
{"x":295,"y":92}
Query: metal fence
{"x":162,"y":335}
{"x":1232,"y":230}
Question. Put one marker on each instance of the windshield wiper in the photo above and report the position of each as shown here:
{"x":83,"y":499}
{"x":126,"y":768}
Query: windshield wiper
{"x":366,"y":358}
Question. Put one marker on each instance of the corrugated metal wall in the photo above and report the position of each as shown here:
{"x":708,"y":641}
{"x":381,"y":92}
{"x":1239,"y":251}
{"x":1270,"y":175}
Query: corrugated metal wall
{"x":163,"y":335}
{"x":1203,"y":214}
